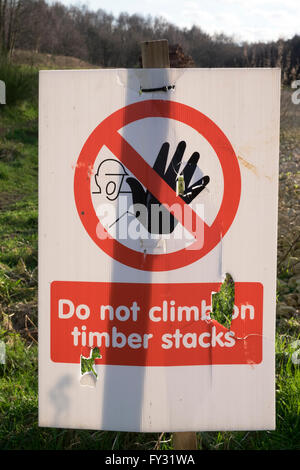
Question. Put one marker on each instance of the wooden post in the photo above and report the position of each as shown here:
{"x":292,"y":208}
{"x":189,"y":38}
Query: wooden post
{"x":155,"y":55}
{"x":185,"y":440}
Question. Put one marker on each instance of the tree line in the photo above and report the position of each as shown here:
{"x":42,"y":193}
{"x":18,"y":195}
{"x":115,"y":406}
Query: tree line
{"x":109,"y":41}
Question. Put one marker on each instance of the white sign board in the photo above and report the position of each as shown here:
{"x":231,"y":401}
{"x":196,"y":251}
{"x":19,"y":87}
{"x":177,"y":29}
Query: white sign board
{"x":2,"y":92}
{"x":147,"y":199}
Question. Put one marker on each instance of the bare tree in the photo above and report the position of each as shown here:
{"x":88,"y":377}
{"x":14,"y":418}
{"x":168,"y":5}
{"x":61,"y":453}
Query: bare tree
{"x":110,"y":41}
{"x":9,"y":16}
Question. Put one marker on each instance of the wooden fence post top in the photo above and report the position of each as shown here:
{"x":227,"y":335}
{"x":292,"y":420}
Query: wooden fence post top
{"x":155,"y":54}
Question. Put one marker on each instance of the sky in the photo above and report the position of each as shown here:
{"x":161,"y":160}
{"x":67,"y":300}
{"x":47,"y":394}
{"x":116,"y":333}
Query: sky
{"x":250,"y":20}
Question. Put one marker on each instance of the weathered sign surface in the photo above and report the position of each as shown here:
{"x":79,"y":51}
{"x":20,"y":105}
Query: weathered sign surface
{"x":147,"y":199}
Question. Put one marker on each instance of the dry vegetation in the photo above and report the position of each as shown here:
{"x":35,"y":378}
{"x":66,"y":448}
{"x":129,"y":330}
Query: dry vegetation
{"x":288,"y":308}
{"x":39,"y":60}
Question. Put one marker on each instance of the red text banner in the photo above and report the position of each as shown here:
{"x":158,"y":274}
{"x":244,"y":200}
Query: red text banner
{"x":154,"y":324}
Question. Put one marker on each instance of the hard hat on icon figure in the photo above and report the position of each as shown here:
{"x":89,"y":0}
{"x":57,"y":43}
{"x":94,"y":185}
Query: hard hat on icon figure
{"x":110,"y":178}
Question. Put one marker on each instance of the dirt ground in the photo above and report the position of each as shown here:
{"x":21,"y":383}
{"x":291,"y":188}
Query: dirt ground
{"x":288,"y":307}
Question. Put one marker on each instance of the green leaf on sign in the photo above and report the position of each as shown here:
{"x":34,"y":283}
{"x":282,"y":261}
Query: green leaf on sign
{"x":223,"y":302}
{"x":88,"y":363}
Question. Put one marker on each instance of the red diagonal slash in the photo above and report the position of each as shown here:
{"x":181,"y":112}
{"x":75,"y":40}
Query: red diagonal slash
{"x":106,"y":134}
{"x":152,"y":181}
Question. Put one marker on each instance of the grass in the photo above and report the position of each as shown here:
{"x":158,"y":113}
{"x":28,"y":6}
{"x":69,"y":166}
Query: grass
{"x":18,"y":319}
{"x":18,"y":411}
{"x":18,"y":203}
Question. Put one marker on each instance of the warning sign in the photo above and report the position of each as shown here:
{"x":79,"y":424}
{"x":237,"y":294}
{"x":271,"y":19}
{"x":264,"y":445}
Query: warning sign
{"x":148,"y":201}
{"x":157,"y":182}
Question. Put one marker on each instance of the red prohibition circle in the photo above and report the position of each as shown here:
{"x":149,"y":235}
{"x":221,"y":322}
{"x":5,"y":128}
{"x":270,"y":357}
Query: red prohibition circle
{"x":106,"y":132}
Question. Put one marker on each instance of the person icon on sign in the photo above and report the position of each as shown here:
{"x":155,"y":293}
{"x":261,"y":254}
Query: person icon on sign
{"x":109,"y":179}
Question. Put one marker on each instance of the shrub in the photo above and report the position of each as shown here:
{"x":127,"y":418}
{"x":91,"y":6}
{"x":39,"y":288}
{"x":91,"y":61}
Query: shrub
{"x":21,"y":82}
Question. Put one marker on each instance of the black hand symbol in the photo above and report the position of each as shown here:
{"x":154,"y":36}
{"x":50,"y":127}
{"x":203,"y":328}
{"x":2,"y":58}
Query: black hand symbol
{"x":143,"y":201}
